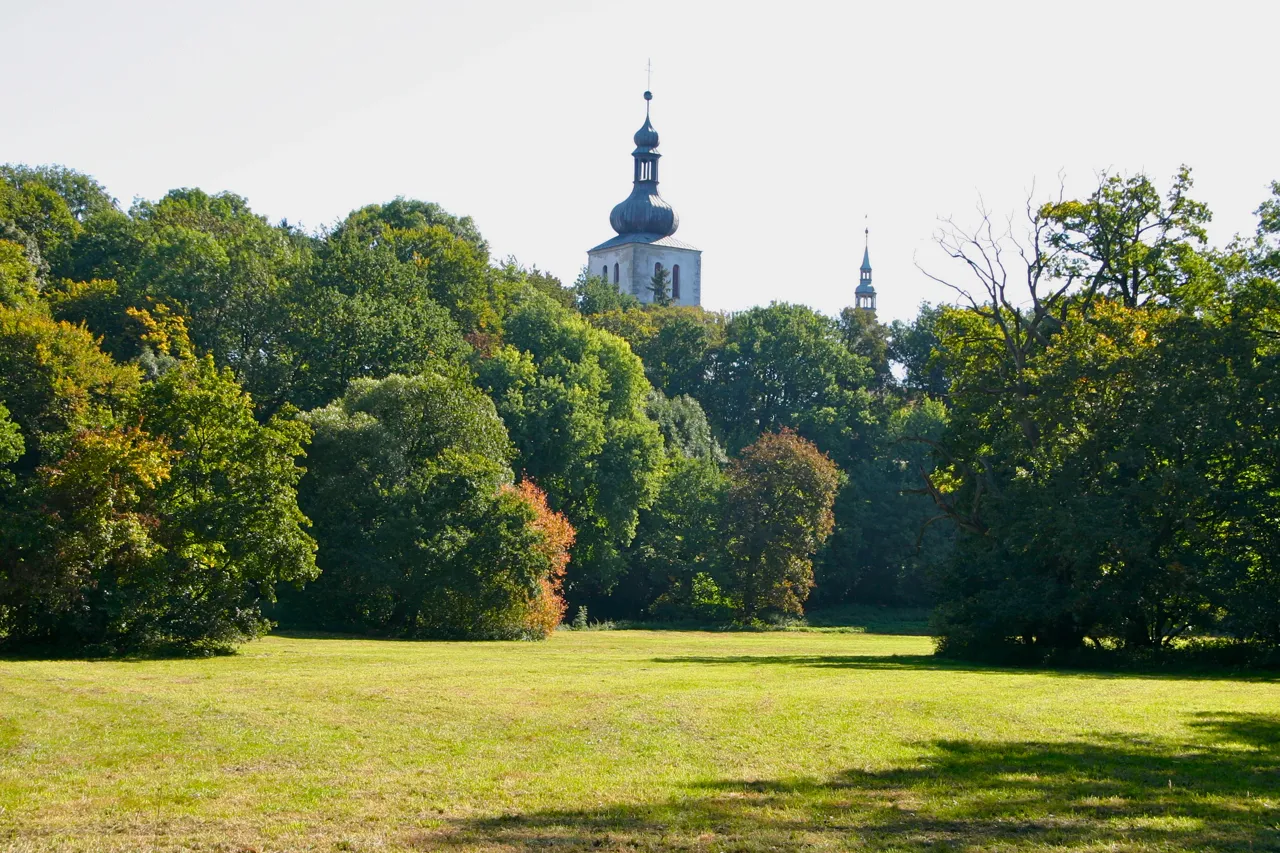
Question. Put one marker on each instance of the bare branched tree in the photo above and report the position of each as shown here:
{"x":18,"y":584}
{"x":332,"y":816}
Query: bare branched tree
{"x":1027,"y":280}
{"x":1017,"y":282}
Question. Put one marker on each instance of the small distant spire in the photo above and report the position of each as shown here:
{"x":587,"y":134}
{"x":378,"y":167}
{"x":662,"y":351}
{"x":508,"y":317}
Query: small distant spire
{"x":864,"y":295}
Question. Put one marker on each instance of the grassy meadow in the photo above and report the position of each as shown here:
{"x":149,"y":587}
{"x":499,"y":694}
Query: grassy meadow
{"x":625,"y":740}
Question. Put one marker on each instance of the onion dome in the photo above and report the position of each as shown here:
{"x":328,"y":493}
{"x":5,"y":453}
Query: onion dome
{"x":644,"y":211}
{"x":646,"y":137}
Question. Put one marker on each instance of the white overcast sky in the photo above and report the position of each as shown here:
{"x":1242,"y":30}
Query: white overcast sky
{"x":783,"y":124}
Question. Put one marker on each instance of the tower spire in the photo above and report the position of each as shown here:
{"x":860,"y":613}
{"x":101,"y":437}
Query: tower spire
{"x":644,"y":211}
{"x":865,"y":294}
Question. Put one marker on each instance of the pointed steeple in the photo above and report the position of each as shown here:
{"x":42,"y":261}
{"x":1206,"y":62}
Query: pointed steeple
{"x":865,"y":294}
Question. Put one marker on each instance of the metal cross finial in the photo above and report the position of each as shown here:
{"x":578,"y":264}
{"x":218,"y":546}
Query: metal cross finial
{"x":648,"y":96}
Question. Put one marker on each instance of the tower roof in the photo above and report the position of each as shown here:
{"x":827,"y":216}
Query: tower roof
{"x":646,"y":137}
{"x":864,"y":280}
{"x":644,"y":212}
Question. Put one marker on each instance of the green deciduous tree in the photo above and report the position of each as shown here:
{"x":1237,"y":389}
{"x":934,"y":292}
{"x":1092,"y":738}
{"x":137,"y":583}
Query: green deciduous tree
{"x":11,"y":443}
{"x":573,"y":398}
{"x":512,"y":277}
{"x":295,"y":317}
{"x":596,"y":296}
{"x":18,"y":282}
{"x":679,"y":345}
{"x":33,"y":213}
{"x":229,"y":273}
{"x":365,"y":313}
{"x":677,"y":564}
{"x":914,"y":346}
{"x":778,"y":513}
{"x":84,"y":196}
{"x":142,"y":515}
{"x":1127,"y":242}
{"x":232,"y":526}
{"x":786,"y":366}
{"x":448,"y":251}
{"x":1104,"y":455}
{"x":685,"y":428}
{"x":887,"y":537}
{"x":417,"y":536}
{"x":865,"y":336}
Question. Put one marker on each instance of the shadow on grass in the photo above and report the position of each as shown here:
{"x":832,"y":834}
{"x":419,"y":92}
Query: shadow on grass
{"x":859,"y":619}
{"x":898,"y":621}
{"x":39,"y":653}
{"x":1220,"y":793}
{"x":934,"y":662}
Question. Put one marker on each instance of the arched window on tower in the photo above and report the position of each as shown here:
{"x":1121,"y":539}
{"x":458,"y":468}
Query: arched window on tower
{"x":604,"y":272}
{"x":675,"y":281}
{"x":615,"y":273}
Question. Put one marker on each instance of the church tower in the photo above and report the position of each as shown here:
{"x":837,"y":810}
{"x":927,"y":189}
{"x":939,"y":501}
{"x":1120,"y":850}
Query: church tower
{"x":865,"y":295}
{"x":644,"y":223}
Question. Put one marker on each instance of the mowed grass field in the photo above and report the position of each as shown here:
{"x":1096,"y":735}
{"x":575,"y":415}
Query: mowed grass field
{"x":626,"y":740}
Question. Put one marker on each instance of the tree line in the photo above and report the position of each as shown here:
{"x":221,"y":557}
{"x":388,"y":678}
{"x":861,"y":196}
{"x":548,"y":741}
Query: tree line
{"x":212,"y":423}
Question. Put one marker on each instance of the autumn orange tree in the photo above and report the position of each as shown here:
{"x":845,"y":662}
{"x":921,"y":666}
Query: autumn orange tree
{"x":778,"y":514}
{"x":547,"y":605}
